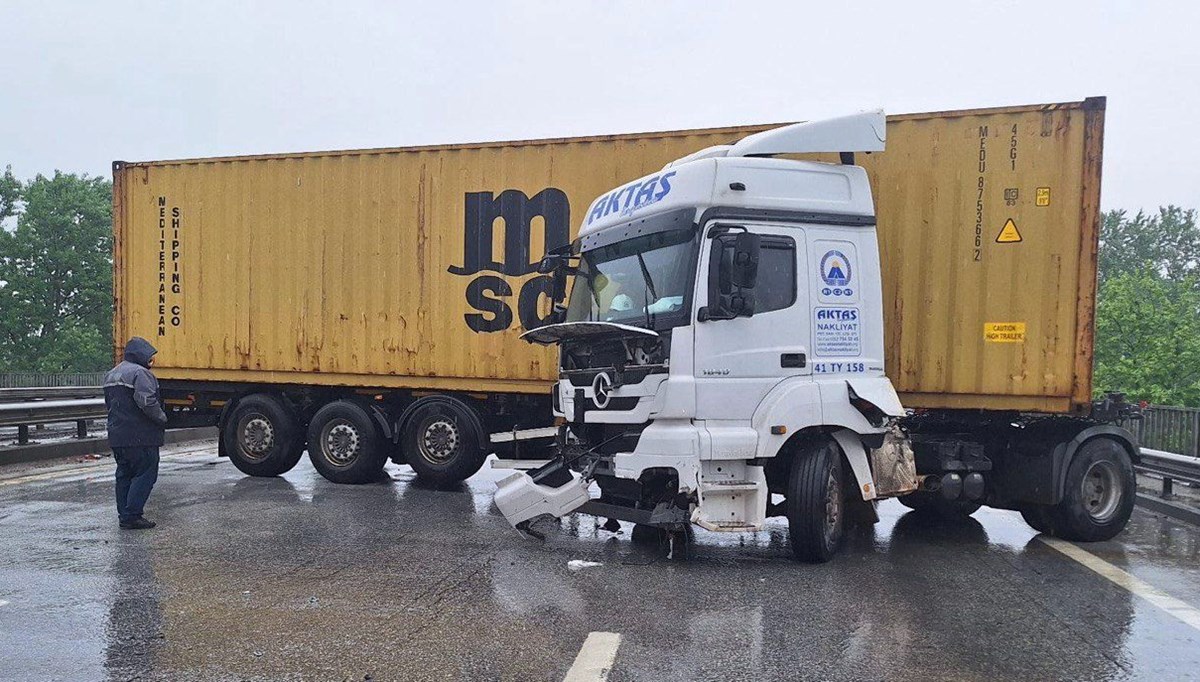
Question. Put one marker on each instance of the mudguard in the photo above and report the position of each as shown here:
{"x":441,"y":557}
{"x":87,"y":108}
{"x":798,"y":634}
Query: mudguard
{"x":856,"y":456}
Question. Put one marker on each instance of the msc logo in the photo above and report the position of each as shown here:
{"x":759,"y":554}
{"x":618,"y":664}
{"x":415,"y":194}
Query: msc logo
{"x":488,"y":293}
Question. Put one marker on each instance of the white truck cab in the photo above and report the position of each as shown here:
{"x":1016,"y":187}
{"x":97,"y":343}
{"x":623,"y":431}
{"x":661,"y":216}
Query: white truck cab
{"x":723,"y":342}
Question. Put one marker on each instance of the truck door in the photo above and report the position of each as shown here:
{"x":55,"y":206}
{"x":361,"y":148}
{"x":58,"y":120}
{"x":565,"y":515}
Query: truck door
{"x":738,"y":360}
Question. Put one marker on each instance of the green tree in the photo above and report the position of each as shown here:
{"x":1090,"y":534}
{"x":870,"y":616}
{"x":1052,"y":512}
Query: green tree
{"x":56,"y":274}
{"x":1148,"y":307}
{"x":1167,"y":243}
{"x":10,"y":194}
{"x":1148,"y":338}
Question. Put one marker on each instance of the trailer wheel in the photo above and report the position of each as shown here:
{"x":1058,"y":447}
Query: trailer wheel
{"x":1099,"y":495}
{"x":442,"y":442}
{"x":262,"y":437}
{"x":816,"y":502}
{"x":344,"y":444}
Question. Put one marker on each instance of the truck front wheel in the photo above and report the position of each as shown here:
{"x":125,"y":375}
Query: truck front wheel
{"x":1099,"y":495}
{"x":344,"y":445}
{"x":816,"y":502}
{"x":441,"y":442}
{"x":262,"y":437}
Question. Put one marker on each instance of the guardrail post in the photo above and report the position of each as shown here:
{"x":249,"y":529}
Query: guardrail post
{"x":1168,"y":486}
{"x":1196,"y":433}
{"x":81,"y":428}
{"x":23,"y":434}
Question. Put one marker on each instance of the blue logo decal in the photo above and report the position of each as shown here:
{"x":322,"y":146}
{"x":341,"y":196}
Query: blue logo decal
{"x":625,"y":200}
{"x":835,"y":272}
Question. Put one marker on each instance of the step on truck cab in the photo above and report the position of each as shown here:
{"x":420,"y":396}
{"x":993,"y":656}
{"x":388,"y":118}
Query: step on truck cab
{"x":723,"y":346}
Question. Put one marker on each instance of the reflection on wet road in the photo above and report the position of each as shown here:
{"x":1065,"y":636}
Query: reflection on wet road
{"x":297,"y":578}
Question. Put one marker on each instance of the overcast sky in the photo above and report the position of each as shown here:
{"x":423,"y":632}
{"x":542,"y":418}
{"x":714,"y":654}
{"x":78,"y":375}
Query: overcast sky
{"x":84,"y":83}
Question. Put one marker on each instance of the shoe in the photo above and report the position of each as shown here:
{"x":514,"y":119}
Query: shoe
{"x":137,"y":524}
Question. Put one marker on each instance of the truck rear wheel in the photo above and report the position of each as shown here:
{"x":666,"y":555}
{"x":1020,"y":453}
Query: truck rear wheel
{"x":442,"y":442}
{"x":344,"y":444}
{"x":816,"y":502}
{"x":1100,"y":493}
{"x":262,"y":436}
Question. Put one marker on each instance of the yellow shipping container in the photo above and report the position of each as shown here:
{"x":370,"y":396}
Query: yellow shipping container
{"x":416,"y":267}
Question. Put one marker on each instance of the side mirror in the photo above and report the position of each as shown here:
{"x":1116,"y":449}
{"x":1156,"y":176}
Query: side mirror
{"x":744,"y":271}
{"x":741,"y":304}
{"x":732,"y":278}
{"x":558,"y":284}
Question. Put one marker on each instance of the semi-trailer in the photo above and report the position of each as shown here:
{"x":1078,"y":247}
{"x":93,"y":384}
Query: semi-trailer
{"x":367,"y":305}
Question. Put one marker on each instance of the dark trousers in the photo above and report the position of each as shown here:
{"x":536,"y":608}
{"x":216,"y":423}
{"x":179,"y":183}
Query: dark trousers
{"x":137,"y":470}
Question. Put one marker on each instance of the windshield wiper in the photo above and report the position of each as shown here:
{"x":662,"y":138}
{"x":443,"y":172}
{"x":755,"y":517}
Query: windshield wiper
{"x":646,"y":276}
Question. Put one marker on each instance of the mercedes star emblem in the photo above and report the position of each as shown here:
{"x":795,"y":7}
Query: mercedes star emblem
{"x":601,"y":386}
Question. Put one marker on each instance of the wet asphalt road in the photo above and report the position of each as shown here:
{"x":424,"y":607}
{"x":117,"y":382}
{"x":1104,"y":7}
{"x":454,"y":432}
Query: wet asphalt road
{"x":296,"y":578}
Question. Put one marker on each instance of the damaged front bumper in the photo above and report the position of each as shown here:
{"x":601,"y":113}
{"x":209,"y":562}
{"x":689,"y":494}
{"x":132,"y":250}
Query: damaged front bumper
{"x":551,"y":489}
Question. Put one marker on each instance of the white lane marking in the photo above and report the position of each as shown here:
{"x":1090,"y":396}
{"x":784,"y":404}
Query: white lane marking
{"x":595,"y":658}
{"x":1181,"y":610}
{"x":95,"y":467}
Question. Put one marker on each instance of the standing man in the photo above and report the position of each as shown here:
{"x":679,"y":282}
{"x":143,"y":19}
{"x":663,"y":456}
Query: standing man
{"x":136,"y":422}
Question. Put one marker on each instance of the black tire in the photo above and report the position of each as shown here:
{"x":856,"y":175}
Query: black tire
{"x":933,"y":503}
{"x":646,"y":535}
{"x":345,"y":445}
{"x":1039,"y":517}
{"x":262,"y":437}
{"x":1099,"y":495}
{"x":816,"y":502}
{"x":442,"y":443}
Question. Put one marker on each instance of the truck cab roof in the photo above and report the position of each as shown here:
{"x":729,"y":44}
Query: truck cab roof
{"x":753,"y":183}
{"x":741,"y":175}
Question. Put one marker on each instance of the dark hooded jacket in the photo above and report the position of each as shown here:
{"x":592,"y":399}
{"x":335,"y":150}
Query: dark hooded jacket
{"x":135,"y":413}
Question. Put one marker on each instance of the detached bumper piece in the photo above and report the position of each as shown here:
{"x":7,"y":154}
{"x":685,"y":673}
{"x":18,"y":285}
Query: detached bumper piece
{"x":551,"y":489}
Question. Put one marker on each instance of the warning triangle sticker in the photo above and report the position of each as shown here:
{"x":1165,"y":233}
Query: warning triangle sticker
{"x":1008,"y":233}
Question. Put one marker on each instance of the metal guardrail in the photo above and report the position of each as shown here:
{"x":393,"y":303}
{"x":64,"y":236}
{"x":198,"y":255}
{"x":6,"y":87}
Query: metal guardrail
{"x":44,"y":379}
{"x":1169,"y":429}
{"x":10,"y":395}
{"x":1169,"y":467}
{"x":25,"y":407}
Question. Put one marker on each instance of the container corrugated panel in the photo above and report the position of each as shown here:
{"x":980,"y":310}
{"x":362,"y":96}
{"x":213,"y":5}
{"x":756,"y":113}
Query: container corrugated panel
{"x":412,"y":267}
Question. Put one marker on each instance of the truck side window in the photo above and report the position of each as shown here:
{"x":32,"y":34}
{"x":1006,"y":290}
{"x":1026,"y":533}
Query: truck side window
{"x":776,"y":288}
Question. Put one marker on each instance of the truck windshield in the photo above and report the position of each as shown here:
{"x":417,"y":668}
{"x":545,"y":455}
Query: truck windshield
{"x":639,"y":280}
